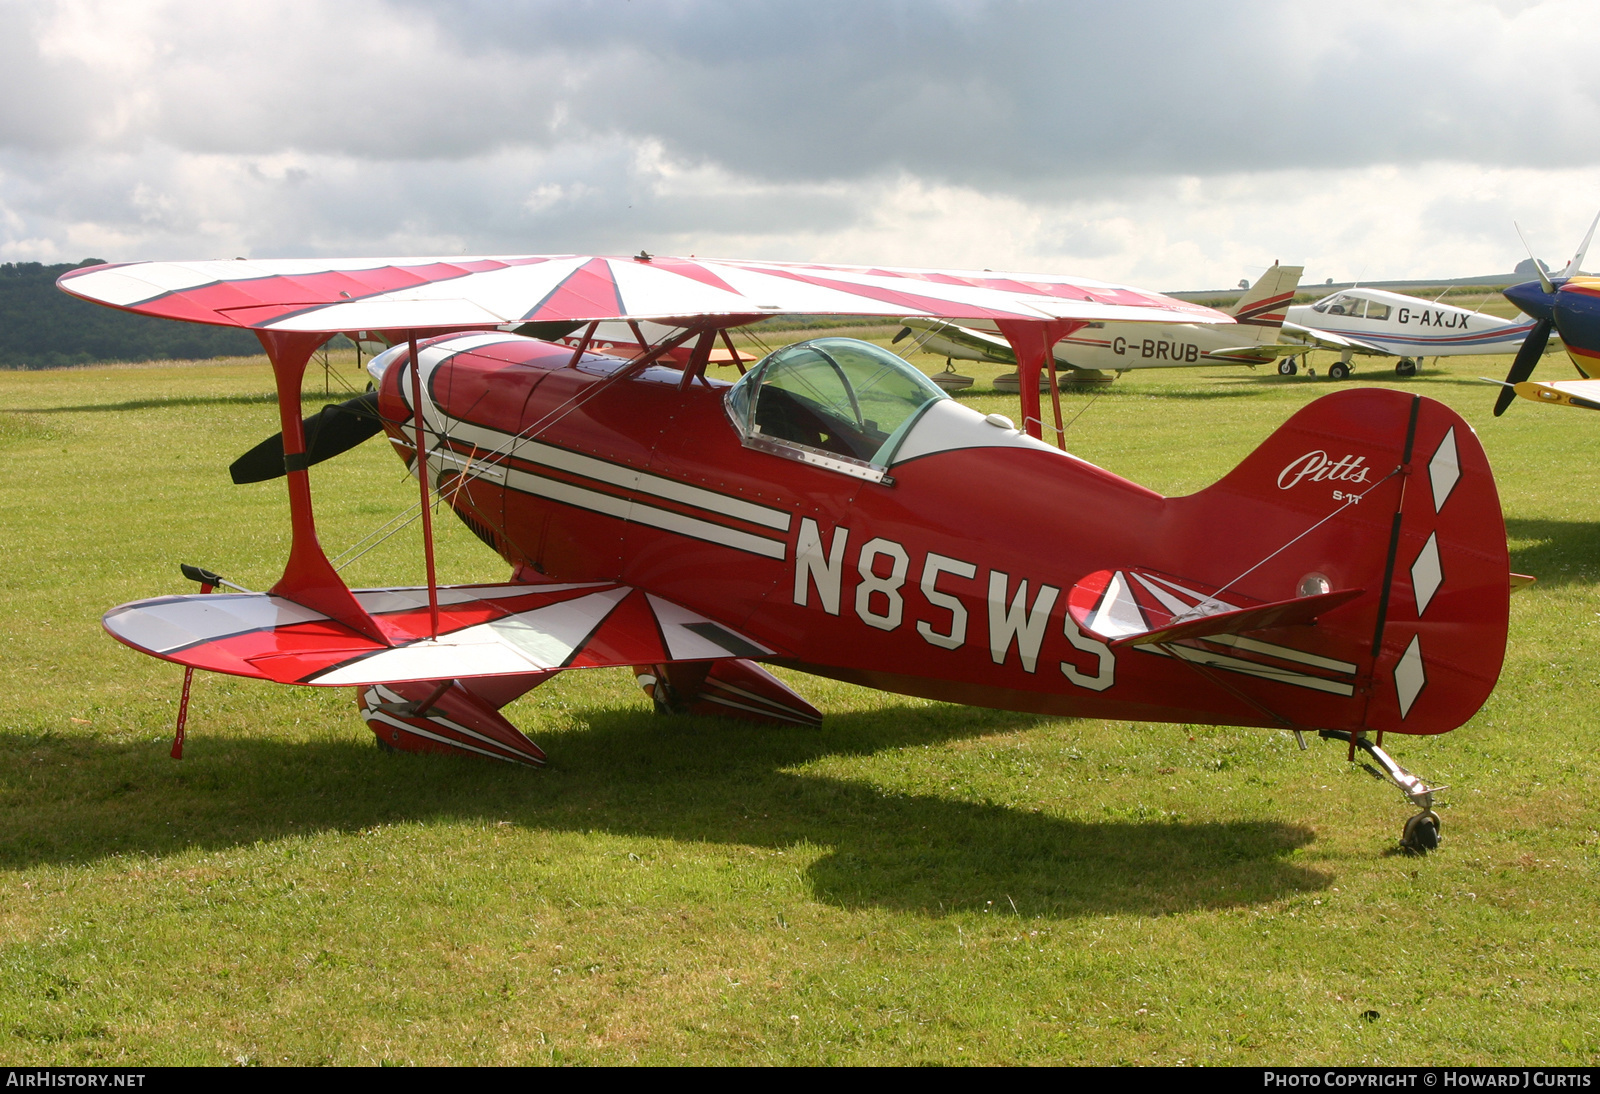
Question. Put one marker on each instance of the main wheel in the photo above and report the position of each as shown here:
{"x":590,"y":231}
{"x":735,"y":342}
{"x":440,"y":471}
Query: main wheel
{"x":1287,"y":367}
{"x":1421,"y":833}
{"x":1339,"y":370}
{"x":1405,"y":367}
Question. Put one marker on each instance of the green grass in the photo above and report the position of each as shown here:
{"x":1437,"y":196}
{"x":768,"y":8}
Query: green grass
{"x":914,"y":882}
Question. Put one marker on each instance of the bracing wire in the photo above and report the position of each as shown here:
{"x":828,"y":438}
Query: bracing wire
{"x":1349,"y":500}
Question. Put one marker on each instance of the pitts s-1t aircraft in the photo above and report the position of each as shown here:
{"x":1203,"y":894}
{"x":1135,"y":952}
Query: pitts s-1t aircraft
{"x":832,"y":511}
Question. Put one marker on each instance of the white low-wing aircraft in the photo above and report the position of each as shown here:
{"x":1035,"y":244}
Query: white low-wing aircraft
{"x":1374,"y":322}
{"x":1094,"y":352}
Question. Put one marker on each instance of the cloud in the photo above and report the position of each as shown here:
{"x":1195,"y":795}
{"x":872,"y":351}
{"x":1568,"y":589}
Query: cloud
{"x":1171,"y":142}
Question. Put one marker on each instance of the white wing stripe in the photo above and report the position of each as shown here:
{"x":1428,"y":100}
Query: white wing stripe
{"x":1252,"y":668}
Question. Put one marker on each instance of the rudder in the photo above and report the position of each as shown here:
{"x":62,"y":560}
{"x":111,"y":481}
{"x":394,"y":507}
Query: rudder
{"x":1383,"y":491}
{"x":1266,"y":304}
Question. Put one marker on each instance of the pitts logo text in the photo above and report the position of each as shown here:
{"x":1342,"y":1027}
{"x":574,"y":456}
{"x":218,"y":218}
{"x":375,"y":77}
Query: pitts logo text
{"x":1317,"y":467}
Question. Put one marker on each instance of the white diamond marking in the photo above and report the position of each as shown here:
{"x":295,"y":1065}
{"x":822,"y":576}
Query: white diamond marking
{"x":1444,"y":470}
{"x":1409,"y":676}
{"x":1426,"y":574}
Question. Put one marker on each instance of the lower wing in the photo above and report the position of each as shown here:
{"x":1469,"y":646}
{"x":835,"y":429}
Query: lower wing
{"x":484,"y":630}
{"x":1321,"y":339}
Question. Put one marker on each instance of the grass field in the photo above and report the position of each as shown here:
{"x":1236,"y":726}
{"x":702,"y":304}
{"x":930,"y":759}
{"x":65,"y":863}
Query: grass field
{"x":912,"y":883}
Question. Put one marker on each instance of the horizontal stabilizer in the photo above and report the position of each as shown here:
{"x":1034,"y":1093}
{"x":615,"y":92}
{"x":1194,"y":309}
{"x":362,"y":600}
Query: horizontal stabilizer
{"x":484,"y":630}
{"x":1142,"y":607}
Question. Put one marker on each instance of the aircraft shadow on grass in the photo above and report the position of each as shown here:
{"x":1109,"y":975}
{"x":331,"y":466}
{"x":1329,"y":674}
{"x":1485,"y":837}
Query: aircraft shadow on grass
{"x":175,"y":402}
{"x":689,"y":779}
{"x":1557,"y":552}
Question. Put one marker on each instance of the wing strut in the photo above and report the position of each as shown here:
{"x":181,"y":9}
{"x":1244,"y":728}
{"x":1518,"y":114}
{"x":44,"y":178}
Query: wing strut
{"x":308,"y":578}
{"x":179,"y":731}
{"x":1032,"y":341}
{"x":696,"y":368}
{"x":422,"y":479}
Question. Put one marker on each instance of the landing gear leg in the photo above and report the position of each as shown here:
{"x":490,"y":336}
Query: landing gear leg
{"x":1421,"y":833}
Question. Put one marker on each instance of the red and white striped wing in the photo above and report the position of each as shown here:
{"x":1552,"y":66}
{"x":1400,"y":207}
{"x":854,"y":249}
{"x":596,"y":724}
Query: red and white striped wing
{"x":460,"y":293}
{"x":484,"y":630}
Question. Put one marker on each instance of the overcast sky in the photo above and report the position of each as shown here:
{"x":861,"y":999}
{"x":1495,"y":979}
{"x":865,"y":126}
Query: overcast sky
{"x":1169,"y":145}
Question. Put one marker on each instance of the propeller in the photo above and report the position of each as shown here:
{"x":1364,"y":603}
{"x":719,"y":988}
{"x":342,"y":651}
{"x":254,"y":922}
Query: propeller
{"x":1538,"y":267}
{"x":1537,"y":300}
{"x":1522,"y":367}
{"x":336,"y":428}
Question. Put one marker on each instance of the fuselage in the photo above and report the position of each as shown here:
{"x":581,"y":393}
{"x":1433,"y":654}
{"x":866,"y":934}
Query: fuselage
{"x":1164,"y":345}
{"x":942,"y":573}
{"x":1117,"y":347}
{"x":1407,"y":326}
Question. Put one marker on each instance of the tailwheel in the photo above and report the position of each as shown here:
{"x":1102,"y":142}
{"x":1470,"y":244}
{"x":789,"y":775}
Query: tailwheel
{"x":1421,"y":833}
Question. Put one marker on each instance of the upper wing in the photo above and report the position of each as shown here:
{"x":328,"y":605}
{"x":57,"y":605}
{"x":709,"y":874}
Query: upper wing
{"x":484,"y":630}
{"x":457,"y":293}
{"x":1322,"y":339}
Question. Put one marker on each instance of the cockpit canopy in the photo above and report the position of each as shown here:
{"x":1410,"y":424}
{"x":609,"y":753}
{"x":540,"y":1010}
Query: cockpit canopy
{"x":1352,"y":306}
{"x":839,"y":396}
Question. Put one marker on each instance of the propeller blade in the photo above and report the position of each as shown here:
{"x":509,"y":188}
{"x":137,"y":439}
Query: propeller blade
{"x":1583,"y":249}
{"x":1538,"y":267}
{"x":1522,"y":368}
{"x":336,"y":428}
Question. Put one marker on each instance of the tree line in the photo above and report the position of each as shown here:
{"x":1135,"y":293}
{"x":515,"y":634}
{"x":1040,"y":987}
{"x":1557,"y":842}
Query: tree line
{"x":43,"y":327}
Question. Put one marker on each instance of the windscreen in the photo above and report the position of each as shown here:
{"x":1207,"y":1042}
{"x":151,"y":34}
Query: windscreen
{"x":837,"y":395}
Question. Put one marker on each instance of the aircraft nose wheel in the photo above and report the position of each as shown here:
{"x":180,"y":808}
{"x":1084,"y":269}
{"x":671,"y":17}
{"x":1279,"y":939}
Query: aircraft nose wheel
{"x":1287,"y":367}
{"x":1405,"y":367}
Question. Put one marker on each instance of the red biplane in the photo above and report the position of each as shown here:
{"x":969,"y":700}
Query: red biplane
{"x":831,"y":510}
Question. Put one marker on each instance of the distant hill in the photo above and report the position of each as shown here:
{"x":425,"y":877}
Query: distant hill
{"x":43,"y":327}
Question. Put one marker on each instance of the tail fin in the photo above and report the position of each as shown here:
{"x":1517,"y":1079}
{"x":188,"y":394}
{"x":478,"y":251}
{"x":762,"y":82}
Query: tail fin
{"x":1267,"y":303}
{"x":1369,"y":489}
